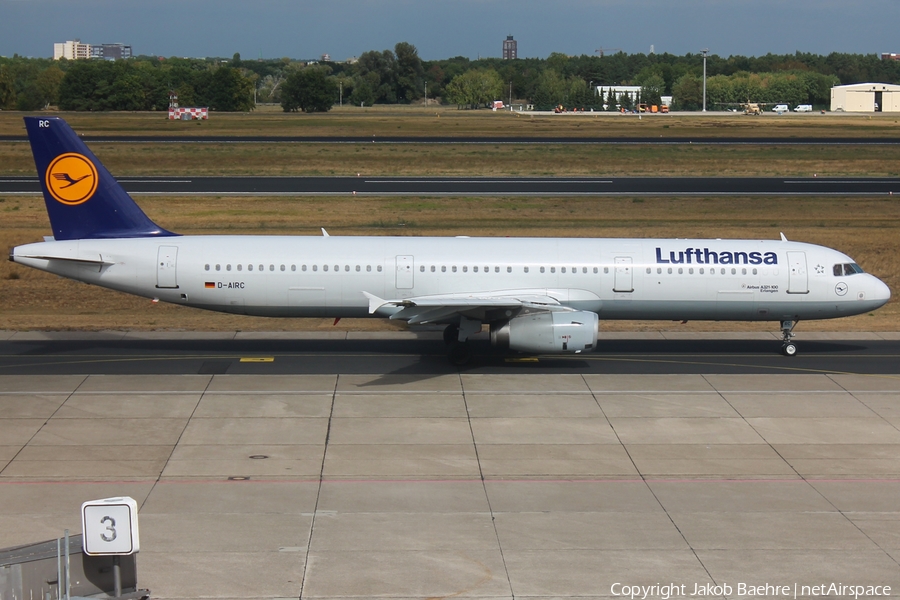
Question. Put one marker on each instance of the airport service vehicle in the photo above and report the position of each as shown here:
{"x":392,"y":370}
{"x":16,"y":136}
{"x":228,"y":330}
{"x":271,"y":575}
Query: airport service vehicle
{"x":536,"y":295}
{"x":781,"y":108}
{"x":803,"y":108}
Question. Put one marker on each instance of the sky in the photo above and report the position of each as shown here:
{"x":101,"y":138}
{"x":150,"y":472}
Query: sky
{"x":304,"y":29}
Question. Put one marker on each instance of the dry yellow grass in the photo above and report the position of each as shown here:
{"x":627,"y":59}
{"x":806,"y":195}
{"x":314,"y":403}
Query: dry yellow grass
{"x":865,"y":228}
{"x":479,"y":159}
{"x":448,"y":121}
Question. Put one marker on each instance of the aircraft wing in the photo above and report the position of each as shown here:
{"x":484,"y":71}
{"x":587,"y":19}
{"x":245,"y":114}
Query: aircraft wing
{"x":442,"y":308}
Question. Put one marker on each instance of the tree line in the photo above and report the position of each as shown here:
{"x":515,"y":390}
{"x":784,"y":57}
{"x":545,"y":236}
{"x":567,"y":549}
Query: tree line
{"x":400,"y":76}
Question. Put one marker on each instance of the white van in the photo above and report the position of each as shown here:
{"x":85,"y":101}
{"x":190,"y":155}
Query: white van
{"x":781,"y":108}
{"x":803,"y":108}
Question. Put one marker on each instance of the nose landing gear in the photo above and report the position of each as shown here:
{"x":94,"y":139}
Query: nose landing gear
{"x":788,"y":348}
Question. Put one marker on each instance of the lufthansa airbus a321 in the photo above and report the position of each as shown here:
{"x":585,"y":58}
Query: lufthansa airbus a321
{"x":536,"y":295}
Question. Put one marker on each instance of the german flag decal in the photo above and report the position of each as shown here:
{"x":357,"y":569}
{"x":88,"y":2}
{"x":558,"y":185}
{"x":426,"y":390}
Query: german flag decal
{"x":209,"y":284}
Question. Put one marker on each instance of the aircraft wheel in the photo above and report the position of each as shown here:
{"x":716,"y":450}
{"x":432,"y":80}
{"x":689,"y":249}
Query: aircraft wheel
{"x":789,"y":349}
{"x":459,"y":353}
{"x":451,"y":334}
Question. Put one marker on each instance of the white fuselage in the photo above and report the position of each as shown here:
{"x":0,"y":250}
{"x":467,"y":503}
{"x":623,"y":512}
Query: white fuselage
{"x":616,"y":278}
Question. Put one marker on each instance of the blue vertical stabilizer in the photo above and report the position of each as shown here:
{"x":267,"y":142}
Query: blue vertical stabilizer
{"x":83,"y":200}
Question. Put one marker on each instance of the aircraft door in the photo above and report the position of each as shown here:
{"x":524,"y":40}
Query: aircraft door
{"x":798,"y":278}
{"x":624,"y":270}
{"x":166,"y":264}
{"x":405,"y":272}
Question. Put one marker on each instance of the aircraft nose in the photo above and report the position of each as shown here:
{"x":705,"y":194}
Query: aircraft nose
{"x":881,"y":292}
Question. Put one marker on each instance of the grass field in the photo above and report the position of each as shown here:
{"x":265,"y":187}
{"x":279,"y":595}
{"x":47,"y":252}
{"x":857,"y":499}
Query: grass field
{"x":867,"y":229}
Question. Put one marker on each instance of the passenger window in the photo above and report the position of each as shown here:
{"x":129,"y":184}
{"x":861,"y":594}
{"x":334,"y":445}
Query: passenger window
{"x":263,"y":268}
{"x":659,"y":270}
{"x":271,"y":267}
{"x":755,"y":271}
{"x":670,"y":270}
{"x":733,"y":271}
{"x":596,"y":270}
{"x":584,"y":270}
{"x":680,"y":271}
{"x":606,"y":270}
{"x":206,"y":268}
{"x":422,"y":269}
{"x":358,"y":269}
{"x":324,"y":268}
{"x":227,"y":267}
{"x":508,"y":269}
{"x":526,"y":269}
{"x":453,"y":268}
{"x":443,"y":269}
{"x":337,"y":267}
{"x":553,"y":269}
{"x":465,"y":269}
{"x":368,"y":268}
{"x":474,"y":269}
{"x":218,"y":267}
{"x":282,"y":268}
{"x":723,"y":271}
{"x":239,"y":267}
{"x":432,"y":268}
{"x":562,"y":270}
{"x":249,"y":268}
{"x":691,"y":271}
{"x":542,"y":269}
{"x":743,"y":271}
{"x":379,"y":268}
{"x":315,"y":267}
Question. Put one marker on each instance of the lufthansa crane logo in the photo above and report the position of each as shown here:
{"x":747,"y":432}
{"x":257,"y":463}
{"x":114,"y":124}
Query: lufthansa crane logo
{"x":71,"y":178}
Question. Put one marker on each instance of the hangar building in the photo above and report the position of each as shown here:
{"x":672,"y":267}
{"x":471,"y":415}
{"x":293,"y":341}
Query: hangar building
{"x":866,"y":97}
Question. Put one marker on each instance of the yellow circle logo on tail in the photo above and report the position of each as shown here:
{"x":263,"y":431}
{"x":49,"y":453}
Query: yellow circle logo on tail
{"x":71,"y":178}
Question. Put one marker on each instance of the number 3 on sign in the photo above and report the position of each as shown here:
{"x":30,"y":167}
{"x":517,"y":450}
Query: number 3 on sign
{"x":110,"y":526}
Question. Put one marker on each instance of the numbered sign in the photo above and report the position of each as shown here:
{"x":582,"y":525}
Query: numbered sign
{"x":110,"y":526}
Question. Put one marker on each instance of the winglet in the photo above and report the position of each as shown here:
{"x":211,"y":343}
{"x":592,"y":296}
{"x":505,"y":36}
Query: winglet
{"x":325,"y":233}
{"x":783,"y":238}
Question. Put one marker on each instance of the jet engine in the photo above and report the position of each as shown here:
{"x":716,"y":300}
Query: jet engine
{"x":548,"y":332}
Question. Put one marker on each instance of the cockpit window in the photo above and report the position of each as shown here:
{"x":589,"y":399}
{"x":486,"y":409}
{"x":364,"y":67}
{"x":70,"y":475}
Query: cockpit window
{"x":847,"y":269}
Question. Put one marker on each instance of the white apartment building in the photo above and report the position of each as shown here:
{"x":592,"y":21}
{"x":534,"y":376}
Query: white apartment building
{"x":71,"y":50}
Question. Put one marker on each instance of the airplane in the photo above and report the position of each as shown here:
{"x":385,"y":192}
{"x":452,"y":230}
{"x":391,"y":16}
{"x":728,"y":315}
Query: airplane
{"x":535,"y":295}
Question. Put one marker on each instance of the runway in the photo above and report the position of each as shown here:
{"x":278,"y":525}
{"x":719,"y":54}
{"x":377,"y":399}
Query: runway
{"x":509,"y":480}
{"x":423,"y":353}
{"x":493,"y":186}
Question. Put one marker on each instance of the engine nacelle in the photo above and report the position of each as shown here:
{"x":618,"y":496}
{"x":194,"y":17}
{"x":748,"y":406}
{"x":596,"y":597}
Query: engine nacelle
{"x":549,"y":332}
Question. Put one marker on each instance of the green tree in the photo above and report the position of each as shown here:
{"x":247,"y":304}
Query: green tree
{"x":475,"y":88}
{"x":309,"y":90}
{"x":410,"y":73}
{"x":362,"y":94}
{"x":7,"y":88}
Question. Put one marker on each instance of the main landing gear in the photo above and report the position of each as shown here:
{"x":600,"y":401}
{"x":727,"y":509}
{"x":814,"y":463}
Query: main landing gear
{"x":788,"y":348}
{"x":456,"y":337}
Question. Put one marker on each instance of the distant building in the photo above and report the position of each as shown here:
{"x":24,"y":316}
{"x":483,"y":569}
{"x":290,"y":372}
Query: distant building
{"x":889,"y":56}
{"x":71,"y":50}
{"x":633,"y":91}
{"x":325,"y":58}
{"x":866,"y":97}
{"x":509,"y":48}
{"x":111,"y":51}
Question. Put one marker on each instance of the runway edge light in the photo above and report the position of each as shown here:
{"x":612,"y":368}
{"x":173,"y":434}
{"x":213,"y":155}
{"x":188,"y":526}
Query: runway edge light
{"x":110,"y":526}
